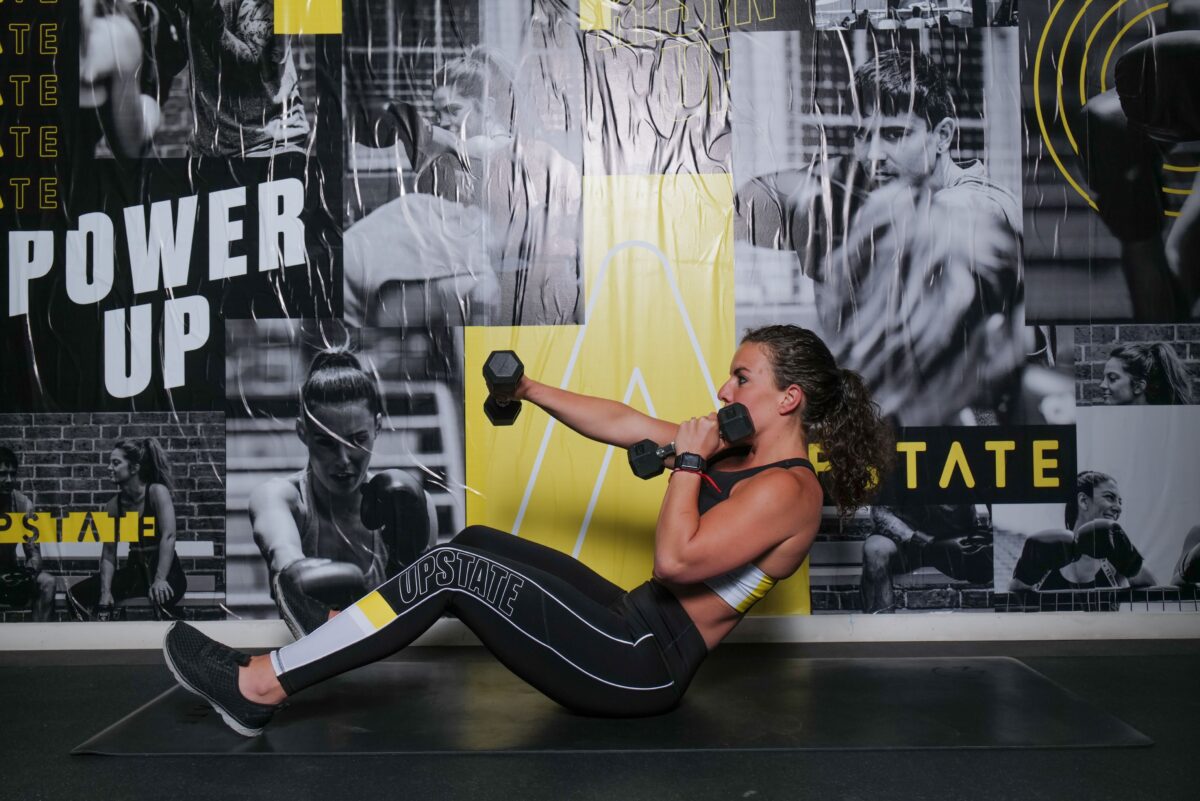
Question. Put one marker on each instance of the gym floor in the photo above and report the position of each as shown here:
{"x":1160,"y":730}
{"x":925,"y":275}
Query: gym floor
{"x":52,"y":701}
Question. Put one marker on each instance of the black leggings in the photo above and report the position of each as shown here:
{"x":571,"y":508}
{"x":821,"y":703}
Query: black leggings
{"x":578,"y":638}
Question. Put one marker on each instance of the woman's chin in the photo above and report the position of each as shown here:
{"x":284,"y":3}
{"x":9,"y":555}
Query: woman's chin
{"x":342,"y":485}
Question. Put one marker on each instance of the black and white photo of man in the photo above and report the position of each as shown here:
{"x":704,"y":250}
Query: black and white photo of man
{"x":28,"y":583}
{"x":913,"y":248}
{"x":950,"y":538}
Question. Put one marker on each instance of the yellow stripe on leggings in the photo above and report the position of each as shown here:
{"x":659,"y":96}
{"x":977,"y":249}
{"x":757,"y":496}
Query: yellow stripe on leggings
{"x":376,"y":610}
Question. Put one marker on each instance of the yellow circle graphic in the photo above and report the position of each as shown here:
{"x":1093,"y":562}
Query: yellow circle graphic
{"x":1074,"y":33}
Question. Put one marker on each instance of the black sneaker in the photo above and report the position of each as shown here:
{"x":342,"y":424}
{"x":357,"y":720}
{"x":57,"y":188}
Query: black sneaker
{"x":210,"y":670}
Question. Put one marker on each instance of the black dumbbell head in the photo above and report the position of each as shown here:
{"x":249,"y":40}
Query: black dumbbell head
{"x":735,"y":422}
{"x":644,"y":459}
{"x":503,"y":370}
{"x":501,"y":414}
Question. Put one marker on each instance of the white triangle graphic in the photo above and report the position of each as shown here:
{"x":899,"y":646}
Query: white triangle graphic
{"x":635,"y":378}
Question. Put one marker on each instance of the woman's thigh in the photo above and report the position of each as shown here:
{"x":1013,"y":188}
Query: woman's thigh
{"x":541,"y":557}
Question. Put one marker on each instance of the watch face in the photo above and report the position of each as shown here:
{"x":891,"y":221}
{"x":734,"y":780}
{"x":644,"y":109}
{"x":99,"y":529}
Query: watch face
{"x":690,"y":461}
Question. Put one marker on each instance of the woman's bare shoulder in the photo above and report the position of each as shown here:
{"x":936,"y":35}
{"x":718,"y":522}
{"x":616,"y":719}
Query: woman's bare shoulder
{"x":274,"y":492}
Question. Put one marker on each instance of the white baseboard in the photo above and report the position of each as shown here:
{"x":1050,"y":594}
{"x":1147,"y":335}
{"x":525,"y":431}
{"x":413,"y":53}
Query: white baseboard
{"x":923,"y":627}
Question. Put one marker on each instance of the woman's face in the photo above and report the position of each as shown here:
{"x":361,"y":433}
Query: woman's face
{"x":340,"y":438}
{"x":752,"y":382}
{"x":457,"y":112}
{"x":1105,"y":503}
{"x":8,"y":478}
{"x":120,"y":469}
{"x":1119,"y":387}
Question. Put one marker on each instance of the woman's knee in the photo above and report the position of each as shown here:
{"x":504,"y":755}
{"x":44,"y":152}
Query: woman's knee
{"x":878,"y":552}
{"x":478,"y":536}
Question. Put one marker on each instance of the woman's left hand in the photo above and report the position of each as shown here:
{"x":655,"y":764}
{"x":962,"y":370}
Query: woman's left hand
{"x":700,"y":435}
{"x":160,"y":591}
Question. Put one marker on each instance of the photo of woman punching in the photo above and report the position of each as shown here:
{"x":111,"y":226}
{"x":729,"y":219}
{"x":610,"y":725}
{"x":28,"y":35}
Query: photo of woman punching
{"x":734,"y":521}
{"x":142,"y":473}
{"x":333,"y":530}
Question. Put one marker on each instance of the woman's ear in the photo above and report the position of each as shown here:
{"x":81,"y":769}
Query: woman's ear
{"x":793,"y":398}
{"x":378,"y":423}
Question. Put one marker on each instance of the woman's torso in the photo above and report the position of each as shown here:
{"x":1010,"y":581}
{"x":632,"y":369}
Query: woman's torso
{"x":142,"y":549}
{"x":713,"y":616}
{"x":343,"y":539}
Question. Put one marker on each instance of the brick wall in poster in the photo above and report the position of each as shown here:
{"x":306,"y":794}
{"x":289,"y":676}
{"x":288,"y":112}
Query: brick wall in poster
{"x":1093,"y":343}
{"x":64,"y":468}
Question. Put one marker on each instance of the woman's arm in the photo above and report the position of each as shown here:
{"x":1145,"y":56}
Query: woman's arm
{"x":114,"y":57}
{"x":762,"y":512}
{"x":33,"y":552}
{"x":108,"y":566}
{"x":600,"y":419}
{"x":108,"y":562}
{"x":164,"y":529}
{"x":274,"y":525}
{"x":759,"y":514}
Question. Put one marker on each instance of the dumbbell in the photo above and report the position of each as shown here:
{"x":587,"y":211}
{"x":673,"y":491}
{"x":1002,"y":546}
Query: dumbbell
{"x":503,"y":371}
{"x":646,"y":458}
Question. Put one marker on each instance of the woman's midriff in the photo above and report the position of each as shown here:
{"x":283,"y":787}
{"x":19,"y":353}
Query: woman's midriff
{"x":713,"y":617}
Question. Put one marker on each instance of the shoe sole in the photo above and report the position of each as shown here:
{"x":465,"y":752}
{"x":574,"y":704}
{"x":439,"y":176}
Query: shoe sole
{"x":229,"y":719}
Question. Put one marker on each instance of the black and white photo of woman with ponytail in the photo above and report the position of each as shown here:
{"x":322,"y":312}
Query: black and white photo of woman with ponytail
{"x":1145,"y":374}
{"x":142,"y":472}
{"x":332,"y":531}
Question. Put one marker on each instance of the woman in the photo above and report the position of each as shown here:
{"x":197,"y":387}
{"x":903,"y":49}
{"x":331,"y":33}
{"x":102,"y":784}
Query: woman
{"x":1092,"y":552}
{"x":1142,"y":374}
{"x":142,"y":473}
{"x":331,"y":532}
{"x":724,"y":537}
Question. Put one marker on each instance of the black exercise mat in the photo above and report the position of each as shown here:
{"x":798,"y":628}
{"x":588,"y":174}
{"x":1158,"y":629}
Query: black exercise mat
{"x":766,"y":704}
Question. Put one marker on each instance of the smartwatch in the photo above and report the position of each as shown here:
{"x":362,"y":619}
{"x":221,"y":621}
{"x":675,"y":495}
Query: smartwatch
{"x":690,"y":462}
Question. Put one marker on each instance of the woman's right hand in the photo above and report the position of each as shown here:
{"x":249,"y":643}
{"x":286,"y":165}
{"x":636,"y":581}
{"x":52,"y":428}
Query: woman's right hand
{"x":518,"y":393}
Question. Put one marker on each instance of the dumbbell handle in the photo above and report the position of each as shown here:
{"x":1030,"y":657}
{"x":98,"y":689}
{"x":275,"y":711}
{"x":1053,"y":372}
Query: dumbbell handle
{"x":735,"y":425}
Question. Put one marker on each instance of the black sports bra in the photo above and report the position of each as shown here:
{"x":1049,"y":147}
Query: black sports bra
{"x":724,"y":481}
